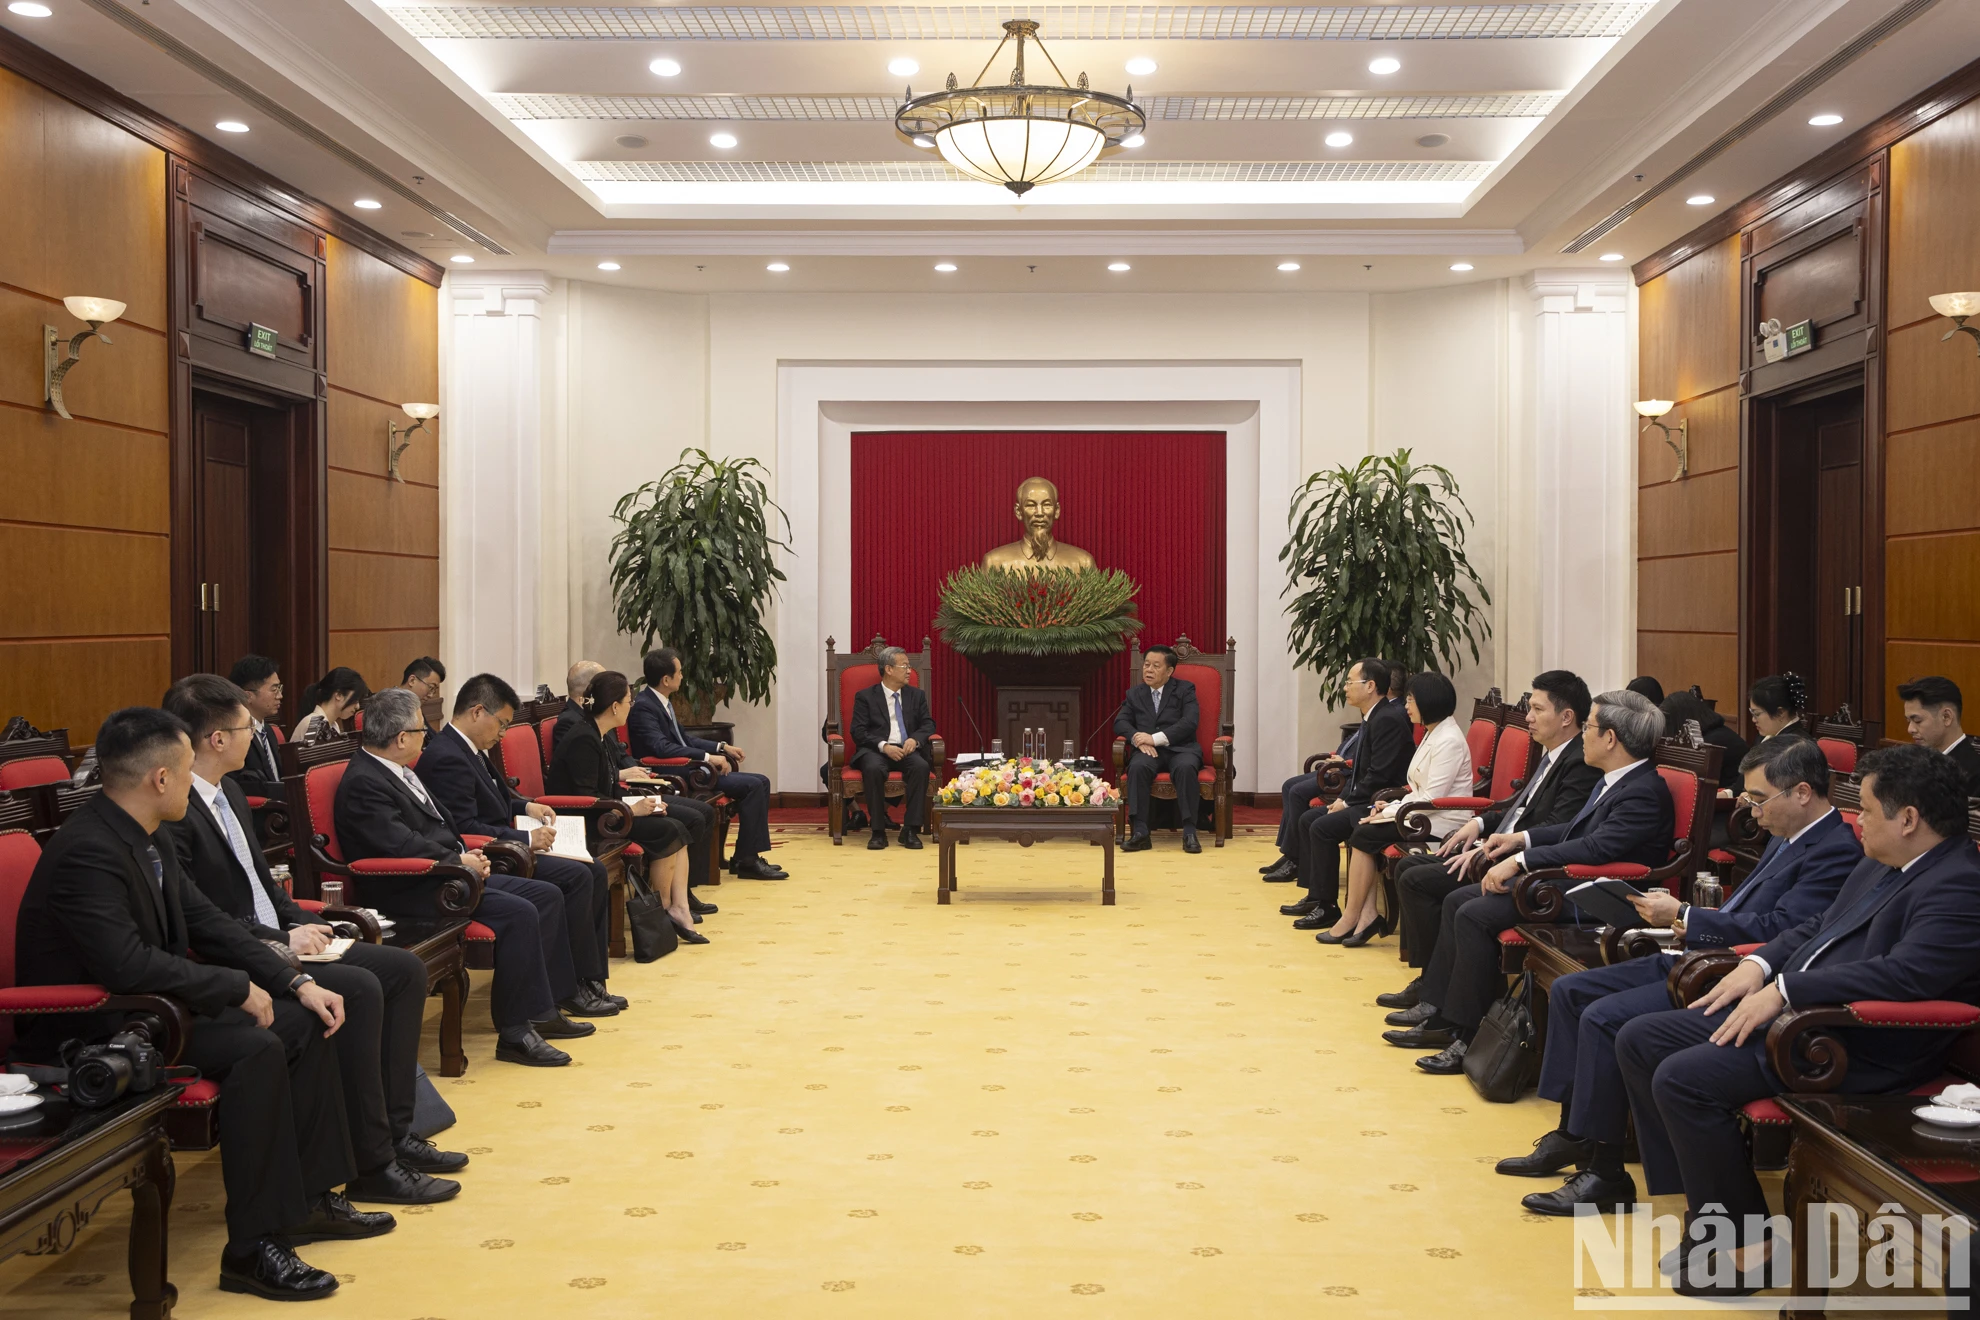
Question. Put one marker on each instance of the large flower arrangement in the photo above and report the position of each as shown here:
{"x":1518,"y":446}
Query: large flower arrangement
{"x":1054,"y":611}
{"x":1026,"y":783}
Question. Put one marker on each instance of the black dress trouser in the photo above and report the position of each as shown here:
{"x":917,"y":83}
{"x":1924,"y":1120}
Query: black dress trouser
{"x":587,"y":895}
{"x":1422,"y":882}
{"x":874,"y":767}
{"x":283,"y":1136}
{"x":1182,"y":765}
{"x":384,"y":992}
{"x":1319,"y":836}
{"x":1295,"y":797}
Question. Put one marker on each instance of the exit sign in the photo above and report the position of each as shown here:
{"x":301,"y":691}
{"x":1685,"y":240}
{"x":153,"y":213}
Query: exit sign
{"x":1800,"y":338}
{"x":261,"y":340}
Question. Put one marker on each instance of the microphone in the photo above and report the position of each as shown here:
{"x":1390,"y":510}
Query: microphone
{"x":982,"y":743}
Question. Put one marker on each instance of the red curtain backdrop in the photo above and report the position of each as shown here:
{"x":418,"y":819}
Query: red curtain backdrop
{"x":925,"y":503}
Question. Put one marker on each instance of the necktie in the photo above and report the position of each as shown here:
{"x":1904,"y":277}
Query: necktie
{"x":264,"y":909}
{"x":1834,"y":929}
{"x":418,"y":789}
{"x":1775,"y":847}
{"x":1157,"y":694}
{"x":157,"y":865}
{"x":1518,"y":808}
{"x":1588,"y":807}
{"x":900,"y":721}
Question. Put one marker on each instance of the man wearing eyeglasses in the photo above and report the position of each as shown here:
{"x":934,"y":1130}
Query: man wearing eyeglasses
{"x":261,"y":680}
{"x":423,"y":678}
{"x":1812,"y":852}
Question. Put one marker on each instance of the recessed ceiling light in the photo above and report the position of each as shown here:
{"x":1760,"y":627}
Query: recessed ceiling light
{"x":722,"y":140}
{"x":28,"y":9}
{"x":922,"y":140}
{"x":1434,"y":140}
{"x":367,"y":204}
{"x":1339,"y":138}
{"x":1612,"y":256}
{"x":1460,"y":265}
{"x":231,"y":126}
{"x":1141,"y":66}
{"x":1133,"y":140}
{"x":1118,"y":266}
{"x":461,"y":259}
{"x":608,"y":265}
{"x":1289,"y":265}
{"x":1384,"y":64}
{"x":631,"y":141}
{"x":778,"y":267}
{"x":415,"y":233}
{"x":666,"y":68}
{"x":946,"y":267}
{"x":1825,"y":121}
{"x":1700,"y":199}
{"x":903,"y":67}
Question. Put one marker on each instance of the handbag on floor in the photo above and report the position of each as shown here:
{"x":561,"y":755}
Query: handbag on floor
{"x":1504,"y":1057}
{"x":431,"y":1114}
{"x":653,"y":933}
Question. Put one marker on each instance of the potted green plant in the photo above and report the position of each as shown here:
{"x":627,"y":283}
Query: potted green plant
{"x":1377,"y":560}
{"x":694,"y":567}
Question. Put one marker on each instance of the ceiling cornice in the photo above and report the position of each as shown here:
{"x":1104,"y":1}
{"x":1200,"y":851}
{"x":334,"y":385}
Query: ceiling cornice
{"x":1035,"y":242}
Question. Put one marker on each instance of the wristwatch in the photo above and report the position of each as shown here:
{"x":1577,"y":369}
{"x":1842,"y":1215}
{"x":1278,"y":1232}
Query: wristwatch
{"x":302,"y":979}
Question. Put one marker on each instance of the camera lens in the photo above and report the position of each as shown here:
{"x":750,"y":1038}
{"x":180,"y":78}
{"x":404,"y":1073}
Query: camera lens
{"x":98,"y":1080}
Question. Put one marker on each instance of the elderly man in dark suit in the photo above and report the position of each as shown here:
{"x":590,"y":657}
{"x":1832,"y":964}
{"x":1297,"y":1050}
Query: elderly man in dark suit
{"x":384,"y":989}
{"x":1812,"y":852}
{"x":1628,"y":818}
{"x":455,"y":770}
{"x":1158,"y":718}
{"x":382,"y":810}
{"x":891,"y":726}
{"x":107,"y":905}
{"x":1903,"y":928}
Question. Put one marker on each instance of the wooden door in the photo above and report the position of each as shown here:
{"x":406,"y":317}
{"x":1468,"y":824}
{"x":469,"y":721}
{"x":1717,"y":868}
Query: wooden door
{"x":224,"y":434}
{"x":1838,"y":452}
{"x":244,"y":541}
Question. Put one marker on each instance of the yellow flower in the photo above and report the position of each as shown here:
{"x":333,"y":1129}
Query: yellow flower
{"x":1075,"y":799}
{"x":1051,"y":799}
{"x":1002,"y":799}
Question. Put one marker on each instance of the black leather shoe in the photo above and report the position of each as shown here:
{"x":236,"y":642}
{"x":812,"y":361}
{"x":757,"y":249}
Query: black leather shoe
{"x":1447,"y":1062}
{"x":562,"y":1028}
{"x":418,"y":1153}
{"x":1403,"y":998}
{"x":1138,"y":843}
{"x":1190,"y":845}
{"x":701,"y":909}
{"x":760,"y":870}
{"x":584,"y":1004}
{"x":690,"y":935}
{"x":1414,"y":1017}
{"x":1586,"y":1188}
{"x":270,"y":1269}
{"x":1280,"y":869}
{"x":334,"y":1217}
{"x":878,"y":841}
{"x":1320,"y":918}
{"x":1306,"y":907}
{"x":910,"y":839}
{"x":395,"y":1184}
{"x":599,"y":991}
{"x":1551,"y":1153}
{"x":1373,"y":930}
{"x":531,"y":1051}
{"x":1419,"y":1037}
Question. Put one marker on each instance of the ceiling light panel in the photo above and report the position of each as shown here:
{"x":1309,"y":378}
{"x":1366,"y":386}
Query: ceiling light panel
{"x":528,"y":106}
{"x":1593,"y":18}
{"x":1121,"y":170}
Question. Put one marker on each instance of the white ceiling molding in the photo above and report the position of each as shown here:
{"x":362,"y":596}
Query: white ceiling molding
{"x":528,"y":106}
{"x":1399,"y":22}
{"x":1106,"y":171}
{"x":1035,"y":242}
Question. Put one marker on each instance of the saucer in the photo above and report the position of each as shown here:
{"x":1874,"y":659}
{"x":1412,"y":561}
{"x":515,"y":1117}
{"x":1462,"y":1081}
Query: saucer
{"x":19,"y":1104}
{"x":1948,"y":1116}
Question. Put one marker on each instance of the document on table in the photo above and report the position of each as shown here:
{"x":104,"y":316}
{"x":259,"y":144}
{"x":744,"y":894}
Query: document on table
{"x":570,"y":835}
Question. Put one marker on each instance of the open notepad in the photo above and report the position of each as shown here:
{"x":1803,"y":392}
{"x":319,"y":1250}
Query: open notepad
{"x":330,"y":953}
{"x":570,"y":835}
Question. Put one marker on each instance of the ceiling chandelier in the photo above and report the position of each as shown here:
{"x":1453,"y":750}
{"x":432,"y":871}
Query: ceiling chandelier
{"x":1020,"y":134}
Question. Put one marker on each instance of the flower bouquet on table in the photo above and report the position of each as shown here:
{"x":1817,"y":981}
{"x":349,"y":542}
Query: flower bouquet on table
{"x":1026,"y":783}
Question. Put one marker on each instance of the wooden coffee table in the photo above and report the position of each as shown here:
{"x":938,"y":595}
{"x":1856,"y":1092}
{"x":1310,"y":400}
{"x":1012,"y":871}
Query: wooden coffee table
{"x":1023,"y":826}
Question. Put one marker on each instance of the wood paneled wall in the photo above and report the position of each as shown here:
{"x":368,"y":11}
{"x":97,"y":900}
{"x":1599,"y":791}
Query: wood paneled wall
{"x":1687,"y":550}
{"x":384,"y":535}
{"x":85,"y":518}
{"x":1932,"y":463}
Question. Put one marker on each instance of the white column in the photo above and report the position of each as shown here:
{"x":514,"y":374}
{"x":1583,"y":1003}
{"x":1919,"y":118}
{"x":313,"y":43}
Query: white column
{"x":1583,"y":470}
{"x":492,"y":427}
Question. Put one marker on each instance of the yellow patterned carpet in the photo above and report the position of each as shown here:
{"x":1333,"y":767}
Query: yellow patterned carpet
{"x":857,"y":1103}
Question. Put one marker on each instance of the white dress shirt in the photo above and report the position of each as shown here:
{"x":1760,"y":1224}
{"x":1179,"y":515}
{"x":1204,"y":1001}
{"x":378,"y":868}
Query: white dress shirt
{"x":1160,"y":739}
{"x":896,"y":728}
{"x":230,"y":825}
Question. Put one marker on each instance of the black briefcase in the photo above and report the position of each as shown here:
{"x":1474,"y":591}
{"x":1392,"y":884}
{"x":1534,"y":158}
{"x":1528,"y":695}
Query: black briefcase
{"x":1504,"y":1057}
{"x":653,"y":933}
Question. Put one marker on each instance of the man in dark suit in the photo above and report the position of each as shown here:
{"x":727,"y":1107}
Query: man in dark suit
{"x":1381,"y":761}
{"x":690,"y":811}
{"x":655,"y":732}
{"x":1903,"y":928}
{"x":383,"y":989}
{"x":260,"y":774}
{"x":106,"y":905}
{"x":455,"y":770}
{"x":1812,"y":852}
{"x":1553,"y":794}
{"x":891,"y":726}
{"x":1933,"y":709}
{"x":1628,"y":818}
{"x":1297,"y":793}
{"x":383,"y":810}
{"x":1158,"y":718}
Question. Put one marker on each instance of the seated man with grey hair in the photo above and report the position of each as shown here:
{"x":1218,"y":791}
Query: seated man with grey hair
{"x":382,"y":810}
{"x":1628,"y":818}
{"x":891,"y":726}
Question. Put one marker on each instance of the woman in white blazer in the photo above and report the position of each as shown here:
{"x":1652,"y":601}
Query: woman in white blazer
{"x":1440,"y":768}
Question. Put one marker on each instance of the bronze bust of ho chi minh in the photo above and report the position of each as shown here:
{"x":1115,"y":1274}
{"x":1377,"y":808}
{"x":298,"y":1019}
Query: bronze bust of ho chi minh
{"x":1037,"y":511}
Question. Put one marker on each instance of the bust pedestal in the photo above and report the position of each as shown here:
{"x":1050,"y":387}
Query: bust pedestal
{"x":1038,"y":692}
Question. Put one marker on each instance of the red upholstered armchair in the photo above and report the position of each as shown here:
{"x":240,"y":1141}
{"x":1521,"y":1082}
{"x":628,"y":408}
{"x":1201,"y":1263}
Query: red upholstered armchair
{"x":845,"y":677}
{"x":1215,"y":677}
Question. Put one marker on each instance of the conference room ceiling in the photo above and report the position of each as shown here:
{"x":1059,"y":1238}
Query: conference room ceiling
{"x":541,"y":130}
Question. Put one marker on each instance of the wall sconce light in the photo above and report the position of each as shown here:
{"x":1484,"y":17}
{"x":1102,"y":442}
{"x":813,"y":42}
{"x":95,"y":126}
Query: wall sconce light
{"x":55,"y":365}
{"x":397,"y":437}
{"x":1958,"y":306}
{"x":1652,"y":412}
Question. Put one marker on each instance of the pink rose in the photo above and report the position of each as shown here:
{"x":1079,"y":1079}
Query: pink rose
{"x":1026,"y":798}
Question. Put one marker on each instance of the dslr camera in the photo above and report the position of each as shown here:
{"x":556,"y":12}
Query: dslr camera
{"x":101,"y":1074}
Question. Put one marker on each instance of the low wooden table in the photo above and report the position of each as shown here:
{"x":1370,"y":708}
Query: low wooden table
{"x":1023,"y":826}
{"x":59,"y":1164}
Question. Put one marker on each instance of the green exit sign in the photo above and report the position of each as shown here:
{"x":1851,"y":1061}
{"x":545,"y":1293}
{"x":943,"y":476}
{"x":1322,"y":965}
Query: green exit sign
{"x":261,"y":340}
{"x":1800,"y":337}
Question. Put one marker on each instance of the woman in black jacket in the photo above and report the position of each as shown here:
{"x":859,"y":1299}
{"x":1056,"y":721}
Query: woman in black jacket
{"x":1775,"y":705}
{"x":582,"y":766}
